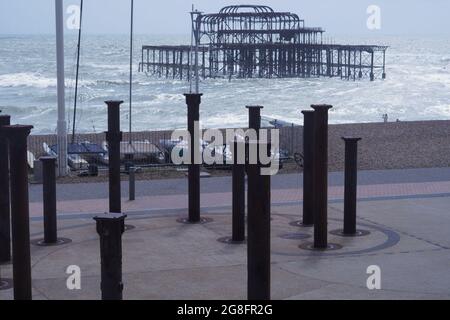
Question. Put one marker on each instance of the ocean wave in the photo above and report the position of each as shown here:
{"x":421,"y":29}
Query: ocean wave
{"x":33,"y":80}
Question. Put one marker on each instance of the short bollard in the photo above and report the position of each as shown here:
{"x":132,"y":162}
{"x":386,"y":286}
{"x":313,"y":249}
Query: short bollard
{"x":308,"y":167}
{"x":5,"y":214}
{"x":258,"y":233}
{"x":351,"y":181}
{"x":49,"y":200}
{"x":110,"y":228}
{"x":20,"y":216}
{"x":238,"y":193}
{"x":193,"y":101}
{"x":114,"y":137}
{"x":132,"y":186}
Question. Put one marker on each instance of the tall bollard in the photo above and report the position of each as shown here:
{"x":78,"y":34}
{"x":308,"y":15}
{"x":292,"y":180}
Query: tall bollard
{"x":238,"y":196}
{"x":351,"y":181}
{"x":49,"y":200}
{"x":258,"y":237}
{"x":20,"y":215}
{"x":320,"y":176}
{"x":114,"y":137}
{"x":5,"y":214}
{"x":308,"y":168}
{"x":193,"y":101}
{"x":238,"y":172}
{"x":110,"y":228}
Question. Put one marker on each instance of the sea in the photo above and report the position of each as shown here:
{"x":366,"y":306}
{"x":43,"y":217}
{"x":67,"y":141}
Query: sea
{"x":417,"y":86}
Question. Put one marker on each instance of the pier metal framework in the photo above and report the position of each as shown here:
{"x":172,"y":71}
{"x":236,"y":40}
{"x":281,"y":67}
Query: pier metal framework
{"x":257,"y":42}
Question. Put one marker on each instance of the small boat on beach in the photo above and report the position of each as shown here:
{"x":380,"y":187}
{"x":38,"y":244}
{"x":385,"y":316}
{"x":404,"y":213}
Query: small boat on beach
{"x":139,"y":151}
{"x":75,"y":161}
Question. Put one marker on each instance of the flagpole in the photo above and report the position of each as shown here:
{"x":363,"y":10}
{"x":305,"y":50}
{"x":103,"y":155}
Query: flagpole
{"x":62,"y":124}
{"x":131,"y":69}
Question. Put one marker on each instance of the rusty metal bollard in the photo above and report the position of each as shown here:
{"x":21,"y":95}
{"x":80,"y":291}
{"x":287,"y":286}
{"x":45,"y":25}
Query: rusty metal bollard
{"x":5,"y":213}
{"x":351,"y":181}
{"x":114,"y":137}
{"x":238,"y":194}
{"x":258,"y":226}
{"x":110,"y":228}
{"x":49,"y":200}
{"x":308,"y":169}
{"x":193,"y":101}
{"x":320,"y":176}
{"x":20,"y":216}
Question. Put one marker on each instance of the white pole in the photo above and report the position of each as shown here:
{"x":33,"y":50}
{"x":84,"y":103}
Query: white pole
{"x":62,"y":124}
{"x":197,"y":80}
{"x":197,"y":40}
{"x":131,"y":70}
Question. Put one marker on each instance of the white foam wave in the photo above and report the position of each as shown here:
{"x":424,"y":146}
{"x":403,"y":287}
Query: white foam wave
{"x":34,"y":80}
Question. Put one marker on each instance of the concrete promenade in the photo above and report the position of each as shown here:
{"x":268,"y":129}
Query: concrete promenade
{"x":406,"y":212}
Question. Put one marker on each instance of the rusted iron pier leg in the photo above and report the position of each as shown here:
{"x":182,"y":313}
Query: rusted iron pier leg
{"x":351,"y":177}
{"x":320,"y":175}
{"x":308,"y":168}
{"x":193,"y":101}
{"x":5,"y":214}
{"x":238,"y":197}
{"x":114,"y":137}
{"x":351,"y":181}
{"x":110,"y":227}
{"x":238,"y":194}
{"x":49,"y":200}
{"x":258,"y":238}
{"x":49,"y":192}
{"x":20,"y":216}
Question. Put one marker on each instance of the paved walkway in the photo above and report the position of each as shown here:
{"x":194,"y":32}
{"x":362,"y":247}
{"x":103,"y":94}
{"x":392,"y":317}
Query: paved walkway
{"x":407,"y":217}
{"x":171,"y":194}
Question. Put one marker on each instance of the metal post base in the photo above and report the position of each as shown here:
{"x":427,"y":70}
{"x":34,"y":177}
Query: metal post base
{"x":59,"y":242}
{"x":358,"y":233}
{"x":229,"y":240}
{"x":330,"y":247}
{"x":294,"y":236}
{"x":301,"y":224}
{"x":187,"y":221}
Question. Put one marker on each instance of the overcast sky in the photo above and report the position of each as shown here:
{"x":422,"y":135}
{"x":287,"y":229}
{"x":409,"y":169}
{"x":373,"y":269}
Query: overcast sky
{"x":346,"y":17}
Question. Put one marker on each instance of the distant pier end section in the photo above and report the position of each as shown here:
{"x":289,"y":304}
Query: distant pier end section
{"x":257,"y":42}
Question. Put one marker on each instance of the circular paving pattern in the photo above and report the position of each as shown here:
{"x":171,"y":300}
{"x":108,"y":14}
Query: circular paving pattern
{"x":229,"y":240}
{"x":202,"y":221}
{"x":59,"y":242}
{"x":359,"y":233}
{"x":6,"y":284}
